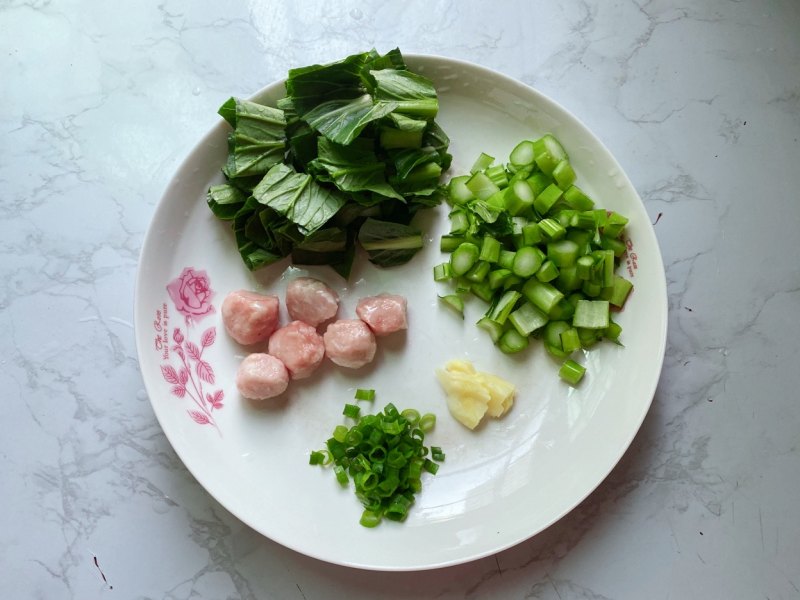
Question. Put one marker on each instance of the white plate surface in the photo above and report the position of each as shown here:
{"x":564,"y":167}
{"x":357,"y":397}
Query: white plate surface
{"x":500,"y":484}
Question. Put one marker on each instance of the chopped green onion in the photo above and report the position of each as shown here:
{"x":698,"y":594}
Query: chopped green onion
{"x":364,"y":394}
{"x":427,"y":422}
{"x":351,"y":411}
{"x":316,"y":458}
{"x":411,"y":415}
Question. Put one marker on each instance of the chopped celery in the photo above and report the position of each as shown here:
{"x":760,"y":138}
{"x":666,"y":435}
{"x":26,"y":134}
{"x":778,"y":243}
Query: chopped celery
{"x":571,"y":372}
{"x":527,"y":261}
{"x":442,"y":272}
{"x":463,"y":257}
{"x":484,"y":161}
{"x":528,"y":241}
{"x":512,"y":342}
{"x":455,"y":302}
{"x":527,"y":319}
{"x":591,"y":314}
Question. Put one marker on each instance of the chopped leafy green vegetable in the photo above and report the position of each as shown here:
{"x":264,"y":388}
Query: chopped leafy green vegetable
{"x":352,"y":146}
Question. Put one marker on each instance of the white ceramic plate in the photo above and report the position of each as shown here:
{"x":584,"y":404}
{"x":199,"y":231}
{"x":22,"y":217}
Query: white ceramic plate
{"x":500,"y":484}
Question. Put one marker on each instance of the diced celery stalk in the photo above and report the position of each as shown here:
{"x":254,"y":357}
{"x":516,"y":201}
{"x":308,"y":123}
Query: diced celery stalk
{"x":612,"y":332}
{"x":459,"y":221}
{"x":498,"y":175}
{"x":506,"y":259}
{"x":547,"y":272}
{"x":511,"y":342}
{"x":542,"y":295}
{"x":564,"y":175}
{"x":527,"y":261}
{"x":448,"y":243}
{"x":563,"y":253}
{"x":548,"y":152}
{"x":583,"y":219}
{"x":478,"y":272}
{"x":454,"y":302}
{"x":392,"y":138}
{"x":531,"y":234}
{"x":539,"y":182}
{"x":442,"y":272}
{"x":571,"y":372}
{"x":551,"y":230}
{"x":562,"y":311}
{"x":592,"y":290}
{"x":481,"y":186}
{"x":584,"y":265}
{"x":600,"y":217}
{"x":575,"y":197}
{"x":591,"y":314}
{"x":543,"y":202}
{"x":552,"y":338}
{"x":494,"y":329}
{"x":570,"y":341}
{"x":518,"y":197}
{"x":502,"y":308}
{"x":616,"y":245}
{"x":512,"y":281}
{"x":589,"y":337}
{"x":498,"y":277}
{"x":615,"y":224}
{"x":527,"y":319}
{"x":457,"y":189}
{"x":463,"y":286}
{"x":522,"y":154}
{"x":482,"y":290}
{"x":568,"y":280}
{"x":463,"y":257}
{"x":608,"y":268}
{"x":617,"y":293}
{"x":564,"y":216}
{"x":482,"y":162}
{"x":490,"y":249}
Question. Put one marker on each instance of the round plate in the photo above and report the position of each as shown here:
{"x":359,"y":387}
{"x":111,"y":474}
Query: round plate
{"x":500,"y":484}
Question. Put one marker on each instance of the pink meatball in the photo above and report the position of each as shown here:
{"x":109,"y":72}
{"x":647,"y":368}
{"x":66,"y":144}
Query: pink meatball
{"x":261,"y":376}
{"x":250,"y":318}
{"x":311,"y":301}
{"x":300,"y":348}
{"x":350,"y":343}
{"x":384,"y":314}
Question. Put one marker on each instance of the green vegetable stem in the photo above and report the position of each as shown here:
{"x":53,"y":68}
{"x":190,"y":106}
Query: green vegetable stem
{"x":529,"y":243}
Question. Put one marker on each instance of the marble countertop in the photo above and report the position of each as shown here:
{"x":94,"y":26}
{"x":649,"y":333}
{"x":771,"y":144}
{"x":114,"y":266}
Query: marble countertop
{"x":102,"y":101}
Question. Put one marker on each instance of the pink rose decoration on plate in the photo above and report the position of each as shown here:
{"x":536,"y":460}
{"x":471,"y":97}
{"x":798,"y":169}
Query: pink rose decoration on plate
{"x":191,"y":292}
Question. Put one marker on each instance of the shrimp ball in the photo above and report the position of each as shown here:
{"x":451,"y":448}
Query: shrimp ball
{"x":300,"y":348}
{"x":385,"y":313}
{"x":349,"y":343}
{"x":261,"y":376}
{"x":311,"y":301}
{"x":249,"y":317}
